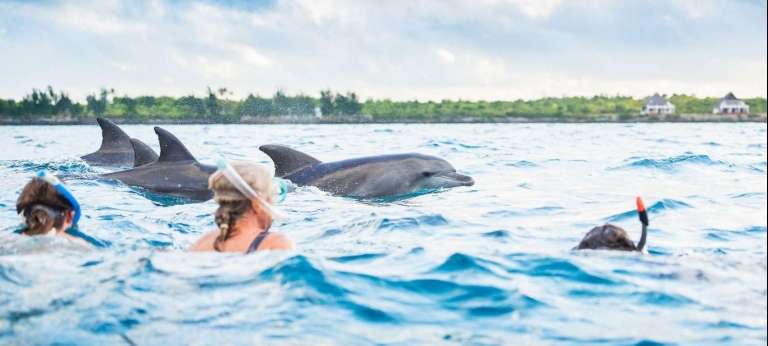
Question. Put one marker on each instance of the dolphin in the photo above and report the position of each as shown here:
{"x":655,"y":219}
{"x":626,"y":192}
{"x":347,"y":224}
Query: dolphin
{"x":175,"y":172}
{"x":142,"y":153}
{"x":366,"y":177}
{"x":117,"y":149}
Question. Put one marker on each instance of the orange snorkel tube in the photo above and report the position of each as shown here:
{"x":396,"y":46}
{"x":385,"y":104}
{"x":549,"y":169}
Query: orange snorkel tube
{"x":643,"y":215}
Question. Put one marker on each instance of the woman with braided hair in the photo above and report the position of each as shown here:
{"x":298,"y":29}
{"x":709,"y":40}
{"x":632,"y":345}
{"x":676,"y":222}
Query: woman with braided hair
{"x":245,"y":193}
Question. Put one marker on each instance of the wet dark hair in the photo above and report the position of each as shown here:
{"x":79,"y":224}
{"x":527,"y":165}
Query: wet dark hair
{"x":226,"y":215}
{"x":609,"y":237}
{"x":42,"y":207}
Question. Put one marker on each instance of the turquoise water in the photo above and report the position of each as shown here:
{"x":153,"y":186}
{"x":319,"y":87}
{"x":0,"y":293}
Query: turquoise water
{"x":488,"y":264}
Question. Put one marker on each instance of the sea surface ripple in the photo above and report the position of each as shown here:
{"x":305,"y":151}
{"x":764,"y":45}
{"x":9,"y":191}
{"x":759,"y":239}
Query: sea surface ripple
{"x":483,"y":265}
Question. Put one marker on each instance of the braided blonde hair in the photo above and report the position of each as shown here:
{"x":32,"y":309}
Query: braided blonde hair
{"x":232,"y":203}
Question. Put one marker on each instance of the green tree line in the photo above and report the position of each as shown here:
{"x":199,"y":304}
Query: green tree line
{"x":217,"y":106}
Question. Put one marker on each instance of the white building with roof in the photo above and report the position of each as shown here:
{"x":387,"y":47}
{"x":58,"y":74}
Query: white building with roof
{"x":730,"y":105}
{"x":657,"y":105}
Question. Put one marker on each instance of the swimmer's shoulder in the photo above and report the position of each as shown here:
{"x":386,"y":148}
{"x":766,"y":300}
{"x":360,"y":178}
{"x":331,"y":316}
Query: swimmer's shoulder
{"x":276,"y":241}
{"x":205,"y":243}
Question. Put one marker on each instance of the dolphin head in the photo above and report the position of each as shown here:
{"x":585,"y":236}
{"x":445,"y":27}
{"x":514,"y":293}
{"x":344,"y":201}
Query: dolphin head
{"x":436,"y":173}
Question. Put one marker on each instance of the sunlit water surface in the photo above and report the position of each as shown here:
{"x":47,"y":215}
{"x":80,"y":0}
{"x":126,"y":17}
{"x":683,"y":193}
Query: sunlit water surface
{"x":487,"y":264}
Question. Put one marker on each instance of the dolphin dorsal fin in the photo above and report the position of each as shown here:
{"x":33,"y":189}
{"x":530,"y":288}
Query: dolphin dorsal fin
{"x":113,"y":138}
{"x":142,"y":153}
{"x":171,"y":148}
{"x":286,"y":159}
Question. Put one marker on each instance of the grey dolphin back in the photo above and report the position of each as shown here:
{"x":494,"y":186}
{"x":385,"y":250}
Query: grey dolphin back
{"x":115,"y":149}
{"x":171,"y":148}
{"x":287,"y":160}
{"x":142,"y":153}
{"x":113,"y":138}
{"x":175,"y":172}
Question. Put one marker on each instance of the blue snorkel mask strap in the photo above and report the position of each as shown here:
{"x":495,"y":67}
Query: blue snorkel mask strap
{"x":282,"y":186}
{"x":63,"y":192}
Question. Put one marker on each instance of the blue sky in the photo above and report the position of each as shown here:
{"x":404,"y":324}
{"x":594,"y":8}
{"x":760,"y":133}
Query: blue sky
{"x":480,"y":49}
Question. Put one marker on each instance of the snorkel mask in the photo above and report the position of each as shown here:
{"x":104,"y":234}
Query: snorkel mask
{"x":63,"y":192}
{"x":239,"y":183}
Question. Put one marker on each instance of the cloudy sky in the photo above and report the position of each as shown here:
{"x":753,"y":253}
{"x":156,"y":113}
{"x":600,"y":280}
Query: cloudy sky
{"x":478,"y":49}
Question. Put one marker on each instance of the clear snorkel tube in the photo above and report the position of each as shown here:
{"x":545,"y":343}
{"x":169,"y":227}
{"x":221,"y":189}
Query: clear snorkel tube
{"x":249,"y":193}
{"x":63,"y":192}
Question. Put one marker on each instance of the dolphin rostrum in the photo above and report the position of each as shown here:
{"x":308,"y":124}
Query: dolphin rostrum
{"x":366,"y":177}
{"x":176,"y":172}
{"x":117,"y":149}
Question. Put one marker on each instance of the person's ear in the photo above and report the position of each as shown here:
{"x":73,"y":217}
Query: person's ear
{"x":256,"y":206}
{"x":69,"y":216}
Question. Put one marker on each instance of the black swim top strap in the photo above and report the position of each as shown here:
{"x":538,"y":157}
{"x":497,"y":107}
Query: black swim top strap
{"x":256,"y":242}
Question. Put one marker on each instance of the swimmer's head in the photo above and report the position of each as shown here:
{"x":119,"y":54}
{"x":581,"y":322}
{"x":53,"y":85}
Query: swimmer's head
{"x":233,"y":202}
{"x":43,"y":208}
{"x":256,"y":176}
{"x":607,"y":237}
{"x":610,"y":237}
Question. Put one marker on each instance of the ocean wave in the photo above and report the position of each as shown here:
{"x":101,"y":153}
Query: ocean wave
{"x":60,"y":168}
{"x":498,"y":234}
{"x":661,"y":298}
{"x":300,"y":270}
{"x":481,"y":265}
{"x":558,"y":268}
{"x":471,"y":299}
{"x":749,"y":195}
{"x":301,"y":273}
{"x":719,"y":234}
{"x":655,"y":208}
{"x":520,"y":164}
{"x":339,"y":288}
{"x":358,"y":258}
{"x":759,"y":166}
{"x":404,"y":223}
{"x":452,"y":143}
{"x":460,"y":262}
{"x":516,"y":212}
{"x":8,"y":273}
{"x":672,"y":163}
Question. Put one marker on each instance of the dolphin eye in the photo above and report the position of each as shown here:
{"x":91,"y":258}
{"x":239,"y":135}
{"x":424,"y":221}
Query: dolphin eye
{"x":427,"y":174}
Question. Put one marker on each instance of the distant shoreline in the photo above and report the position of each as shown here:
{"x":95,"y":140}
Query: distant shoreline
{"x":605,"y":118}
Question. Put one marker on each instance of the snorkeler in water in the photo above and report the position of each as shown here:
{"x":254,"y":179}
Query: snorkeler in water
{"x":246,"y":193}
{"x":610,"y":237}
{"x":47,"y":207}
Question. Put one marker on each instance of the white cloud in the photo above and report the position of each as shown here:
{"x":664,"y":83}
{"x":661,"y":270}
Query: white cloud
{"x":120,"y":66}
{"x":96,"y":18}
{"x":249,"y":54}
{"x":215,"y":69}
{"x":446,"y":55}
{"x":491,"y":71}
{"x":536,"y":8}
{"x":484,"y":49}
{"x":698,"y":8}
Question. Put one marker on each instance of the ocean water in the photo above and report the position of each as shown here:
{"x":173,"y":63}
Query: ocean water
{"x":489,"y":264}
